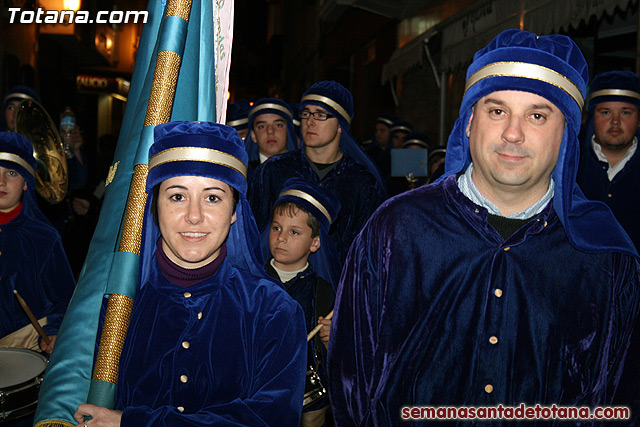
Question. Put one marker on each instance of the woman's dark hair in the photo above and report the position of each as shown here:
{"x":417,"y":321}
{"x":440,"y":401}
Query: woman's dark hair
{"x":156,"y":192}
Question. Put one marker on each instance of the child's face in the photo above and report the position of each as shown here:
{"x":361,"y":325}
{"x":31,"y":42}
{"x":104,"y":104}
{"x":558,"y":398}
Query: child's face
{"x":290,"y":240}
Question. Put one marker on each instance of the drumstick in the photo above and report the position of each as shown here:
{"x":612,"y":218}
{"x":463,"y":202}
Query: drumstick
{"x":32,"y":318}
{"x":315,"y":330}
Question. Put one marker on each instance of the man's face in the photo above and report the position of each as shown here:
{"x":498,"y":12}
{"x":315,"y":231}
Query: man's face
{"x":381,"y":134}
{"x":398,"y":138}
{"x":514,"y":140}
{"x":270,"y":133}
{"x":12,"y":186}
{"x":10,"y":114}
{"x":318,"y":134}
{"x":615,"y":124}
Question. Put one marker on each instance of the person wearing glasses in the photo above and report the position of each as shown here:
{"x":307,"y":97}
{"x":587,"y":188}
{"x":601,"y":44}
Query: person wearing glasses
{"x":329,"y":157}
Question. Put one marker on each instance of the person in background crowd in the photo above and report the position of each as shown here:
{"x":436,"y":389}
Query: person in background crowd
{"x":32,"y":260}
{"x":379,"y":148}
{"x":271,"y":131}
{"x":329,"y":158}
{"x":10,"y":103}
{"x":400,"y":184}
{"x":435,"y":162}
{"x":238,"y":117}
{"x":492,"y":286}
{"x":399,"y":132}
{"x":610,"y":164}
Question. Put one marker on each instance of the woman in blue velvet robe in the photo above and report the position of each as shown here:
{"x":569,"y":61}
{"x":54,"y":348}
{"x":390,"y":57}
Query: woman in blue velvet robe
{"x":219,"y":343}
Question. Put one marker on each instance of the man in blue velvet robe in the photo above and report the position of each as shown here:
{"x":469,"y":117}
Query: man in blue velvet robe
{"x":609,"y":160}
{"x":32,"y":260}
{"x":494,"y":285}
{"x":330,"y":158}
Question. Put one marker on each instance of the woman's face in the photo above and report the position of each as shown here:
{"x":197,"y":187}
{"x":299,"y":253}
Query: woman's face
{"x":194,"y":215}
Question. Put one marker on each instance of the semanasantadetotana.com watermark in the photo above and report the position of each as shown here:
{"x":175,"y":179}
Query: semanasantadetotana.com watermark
{"x":42,"y":16}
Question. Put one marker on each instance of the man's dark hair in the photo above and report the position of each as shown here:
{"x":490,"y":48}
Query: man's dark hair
{"x":290,"y":209}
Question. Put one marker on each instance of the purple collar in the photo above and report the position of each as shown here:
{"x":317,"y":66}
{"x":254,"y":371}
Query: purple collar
{"x":185,"y":277}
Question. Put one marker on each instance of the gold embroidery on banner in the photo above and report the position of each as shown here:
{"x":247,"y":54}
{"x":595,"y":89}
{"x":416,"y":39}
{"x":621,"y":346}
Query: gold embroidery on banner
{"x":180,"y":8}
{"x":112,"y":173}
{"x":163,"y":88}
{"x":132,"y":228}
{"x":114,"y":331}
{"x":54,"y":423}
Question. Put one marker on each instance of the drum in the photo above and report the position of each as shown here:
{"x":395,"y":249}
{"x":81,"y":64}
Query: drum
{"x":21,"y":373}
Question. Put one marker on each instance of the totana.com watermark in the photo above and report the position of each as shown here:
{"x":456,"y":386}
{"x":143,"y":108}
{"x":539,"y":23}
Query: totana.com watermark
{"x":42,"y":16}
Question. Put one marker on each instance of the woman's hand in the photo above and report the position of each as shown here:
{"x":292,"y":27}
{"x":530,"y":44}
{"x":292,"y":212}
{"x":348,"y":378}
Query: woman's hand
{"x":100,"y":417}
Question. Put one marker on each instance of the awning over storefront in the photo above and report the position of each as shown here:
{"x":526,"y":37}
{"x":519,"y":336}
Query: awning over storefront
{"x":474,"y":27}
{"x":410,"y":55}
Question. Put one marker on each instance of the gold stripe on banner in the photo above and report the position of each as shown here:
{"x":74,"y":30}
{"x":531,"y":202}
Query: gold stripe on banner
{"x":199,"y":154}
{"x":330,"y":102}
{"x":14,"y":158}
{"x":163,"y":88}
{"x":114,"y":331}
{"x":270,"y":106}
{"x":309,"y":198}
{"x":528,"y":71}
{"x":54,"y":423}
{"x":180,"y":8}
{"x":132,"y":227}
{"x":615,"y":92}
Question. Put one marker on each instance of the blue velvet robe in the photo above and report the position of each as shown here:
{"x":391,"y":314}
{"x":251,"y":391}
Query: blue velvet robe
{"x":244,"y":357}
{"x":622,"y":194}
{"x":418,"y":304}
{"x":33,"y":262}
{"x":355,"y":187}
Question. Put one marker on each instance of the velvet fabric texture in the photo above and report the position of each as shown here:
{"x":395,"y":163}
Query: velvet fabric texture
{"x":231,"y":351}
{"x":254,"y":113}
{"x":340,"y":96}
{"x":590,"y":226}
{"x":33,"y":262}
{"x":621,"y":195}
{"x":325,"y":259}
{"x":16,"y":93}
{"x":420,"y":301}
{"x":352,"y":184}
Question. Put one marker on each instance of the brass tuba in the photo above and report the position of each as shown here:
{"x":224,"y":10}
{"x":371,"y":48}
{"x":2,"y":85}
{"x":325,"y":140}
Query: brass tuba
{"x":33,"y":122}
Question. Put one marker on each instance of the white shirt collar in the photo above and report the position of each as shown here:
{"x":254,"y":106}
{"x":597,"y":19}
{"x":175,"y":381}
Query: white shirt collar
{"x":613,"y":170}
{"x":469,"y":189}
